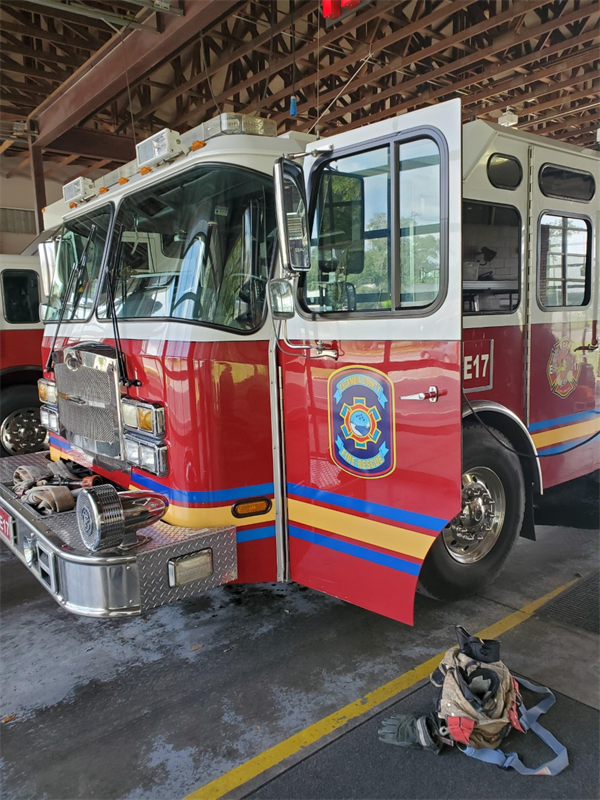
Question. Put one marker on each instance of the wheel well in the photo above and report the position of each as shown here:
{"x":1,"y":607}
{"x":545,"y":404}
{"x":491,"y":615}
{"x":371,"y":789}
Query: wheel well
{"x":22,"y":376}
{"x":519,"y":438}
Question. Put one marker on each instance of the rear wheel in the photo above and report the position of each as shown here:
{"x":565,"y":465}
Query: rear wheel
{"x":20,"y":428}
{"x":471,"y":550}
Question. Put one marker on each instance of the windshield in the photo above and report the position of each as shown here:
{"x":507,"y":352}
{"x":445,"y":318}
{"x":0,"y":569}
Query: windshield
{"x":73,"y":237}
{"x":196,"y":247}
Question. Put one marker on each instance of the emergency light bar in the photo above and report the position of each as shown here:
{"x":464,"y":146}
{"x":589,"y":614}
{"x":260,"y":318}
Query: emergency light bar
{"x":228,"y":123}
{"x":163,"y":146}
{"x":78,"y":190}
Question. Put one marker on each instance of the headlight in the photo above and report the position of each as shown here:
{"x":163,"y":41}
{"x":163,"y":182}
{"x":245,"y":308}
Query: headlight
{"x":146,"y":417}
{"x":132,"y":450}
{"x":49,"y":418}
{"x":146,"y":455}
{"x":47,"y":391}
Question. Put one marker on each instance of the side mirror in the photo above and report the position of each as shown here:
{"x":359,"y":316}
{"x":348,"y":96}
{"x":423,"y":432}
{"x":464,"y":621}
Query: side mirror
{"x":292,"y":216}
{"x":281,"y":298}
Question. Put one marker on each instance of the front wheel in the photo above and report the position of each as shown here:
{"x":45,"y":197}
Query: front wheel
{"x":471,"y":550}
{"x":20,"y":428}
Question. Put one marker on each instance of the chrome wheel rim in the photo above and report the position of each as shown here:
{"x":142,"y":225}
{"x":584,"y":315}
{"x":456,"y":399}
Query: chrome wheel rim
{"x":474,"y":532}
{"x":22,"y":432}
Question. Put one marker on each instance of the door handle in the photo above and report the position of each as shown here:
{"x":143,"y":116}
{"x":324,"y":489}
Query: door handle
{"x":431,"y":394}
{"x":587,"y":347}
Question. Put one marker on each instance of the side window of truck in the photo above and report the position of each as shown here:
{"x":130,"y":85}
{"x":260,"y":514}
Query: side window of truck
{"x":21,"y":296}
{"x":564,"y":274}
{"x":370,"y":205}
{"x":491,"y":258}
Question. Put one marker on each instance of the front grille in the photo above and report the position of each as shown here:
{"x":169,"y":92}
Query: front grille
{"x":87,"y":399}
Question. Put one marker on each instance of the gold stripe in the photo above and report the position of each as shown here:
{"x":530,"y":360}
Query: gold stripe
{"x":565,"y":433}
{"x":400,"y":540}
{"x":210,"y":517}
{"x":275,"y":755}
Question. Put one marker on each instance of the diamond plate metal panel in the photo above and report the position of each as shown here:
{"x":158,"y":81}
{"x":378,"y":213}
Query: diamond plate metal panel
{"x":169,"y":542}
{"x":162,"y":543}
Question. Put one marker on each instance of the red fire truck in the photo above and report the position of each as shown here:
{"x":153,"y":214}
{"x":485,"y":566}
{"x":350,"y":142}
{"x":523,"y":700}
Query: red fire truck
{"x":21,"y":331}
{"x":355,"y":376}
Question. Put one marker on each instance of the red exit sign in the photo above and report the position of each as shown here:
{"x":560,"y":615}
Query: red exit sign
{"x":337,"y":9}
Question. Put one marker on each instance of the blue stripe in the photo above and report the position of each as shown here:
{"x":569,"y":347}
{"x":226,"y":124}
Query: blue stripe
{"x":561,"y":448}
{"x":268,"y":532}
{"x":376,"y":509}
{"x":60,"y":443}
{"x":581,"y":416}
{"x":355,"y":550}
{"x":221,"y":495}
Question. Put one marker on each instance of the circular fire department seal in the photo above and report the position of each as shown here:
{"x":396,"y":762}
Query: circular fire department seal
{"x":361,"y":421}
{"x":563,"y":368}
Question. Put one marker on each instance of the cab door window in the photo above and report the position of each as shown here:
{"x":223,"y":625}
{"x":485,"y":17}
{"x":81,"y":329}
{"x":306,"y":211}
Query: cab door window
{"x":376,"y":231}
{"x":564,"y":261}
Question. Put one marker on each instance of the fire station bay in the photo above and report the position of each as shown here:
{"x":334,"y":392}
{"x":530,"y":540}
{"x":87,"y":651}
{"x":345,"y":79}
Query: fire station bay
{"x":299,"y":399}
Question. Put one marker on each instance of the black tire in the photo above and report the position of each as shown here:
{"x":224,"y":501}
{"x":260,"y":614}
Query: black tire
{"x":442,"y":576}
{"x":15,"y":400}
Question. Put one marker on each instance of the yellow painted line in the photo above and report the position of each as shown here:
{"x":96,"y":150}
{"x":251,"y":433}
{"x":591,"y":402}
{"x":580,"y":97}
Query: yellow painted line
{"x":400,"y":540}
{"x":269,"y":758}
{"x":565,"y":433}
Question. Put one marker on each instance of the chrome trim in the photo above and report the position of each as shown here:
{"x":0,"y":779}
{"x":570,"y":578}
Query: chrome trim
{"x":490,"y":405}
{"x":158,"y":417}
{"x":279,"y":471}
{"x":102,"y":358}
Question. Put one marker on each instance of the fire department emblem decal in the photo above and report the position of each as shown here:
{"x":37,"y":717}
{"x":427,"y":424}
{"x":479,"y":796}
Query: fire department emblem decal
{"x":361,"y":422}
{"x":563,"y":368}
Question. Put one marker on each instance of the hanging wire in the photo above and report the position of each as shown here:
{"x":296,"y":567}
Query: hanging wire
{"x":208,"y":81}
{"x":363,"y":62}
{"x":122,"y":32}
{"x":318,"y":67}
{"x":273,"y":23}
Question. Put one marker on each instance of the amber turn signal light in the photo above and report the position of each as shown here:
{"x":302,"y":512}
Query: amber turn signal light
{"x":249,"y":508}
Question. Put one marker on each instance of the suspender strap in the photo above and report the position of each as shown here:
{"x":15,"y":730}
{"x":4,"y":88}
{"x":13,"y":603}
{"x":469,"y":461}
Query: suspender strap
{"x":528,"y":719}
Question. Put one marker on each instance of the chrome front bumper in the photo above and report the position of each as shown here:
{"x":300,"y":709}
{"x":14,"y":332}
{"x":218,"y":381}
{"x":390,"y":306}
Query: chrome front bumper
{"x":113,"y":583}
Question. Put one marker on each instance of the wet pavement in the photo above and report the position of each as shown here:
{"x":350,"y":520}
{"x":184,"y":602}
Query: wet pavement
{"x":157,"y":706}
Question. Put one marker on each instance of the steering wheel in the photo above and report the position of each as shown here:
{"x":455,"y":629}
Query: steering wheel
{"x":195,"y":296}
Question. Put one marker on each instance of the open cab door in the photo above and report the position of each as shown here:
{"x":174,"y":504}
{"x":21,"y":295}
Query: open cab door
{"x":370,"y":354}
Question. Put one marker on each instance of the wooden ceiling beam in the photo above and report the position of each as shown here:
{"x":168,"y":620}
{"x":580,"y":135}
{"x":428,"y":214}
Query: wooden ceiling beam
{"x":223,"y":63}
{"x":64,"y":162}
{"x":13,"y":49}
{"x":7,"y":65}
{"x":456,"y":85}
{"x":92,"y":168}
{"x":18,"y":99}
{"x":357,"y":55}
{"x":500,"y":44}
{"x":592,"y":91}
{"x":563,"y":113}
{"x":593,"y":116}
{"x":103,"y":78}
{"x":87,"y":21}
{"x":518,"y":100}
{"x":26,"y":88}
{"x":21,"y":166}
{"x":437,"y":48}
{"x":59,"y":39}
{"x":580,"y":59}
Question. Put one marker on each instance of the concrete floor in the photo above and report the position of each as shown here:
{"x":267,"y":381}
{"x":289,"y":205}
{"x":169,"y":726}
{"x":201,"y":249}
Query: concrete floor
{"x":155,"y":707}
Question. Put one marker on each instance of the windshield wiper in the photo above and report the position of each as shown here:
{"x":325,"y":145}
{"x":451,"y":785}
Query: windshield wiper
{"x":76,"y":271}
{"x":110,"y":296}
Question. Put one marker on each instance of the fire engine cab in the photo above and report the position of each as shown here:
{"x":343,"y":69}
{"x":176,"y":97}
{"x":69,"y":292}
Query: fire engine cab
{"x":349,"y":362}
